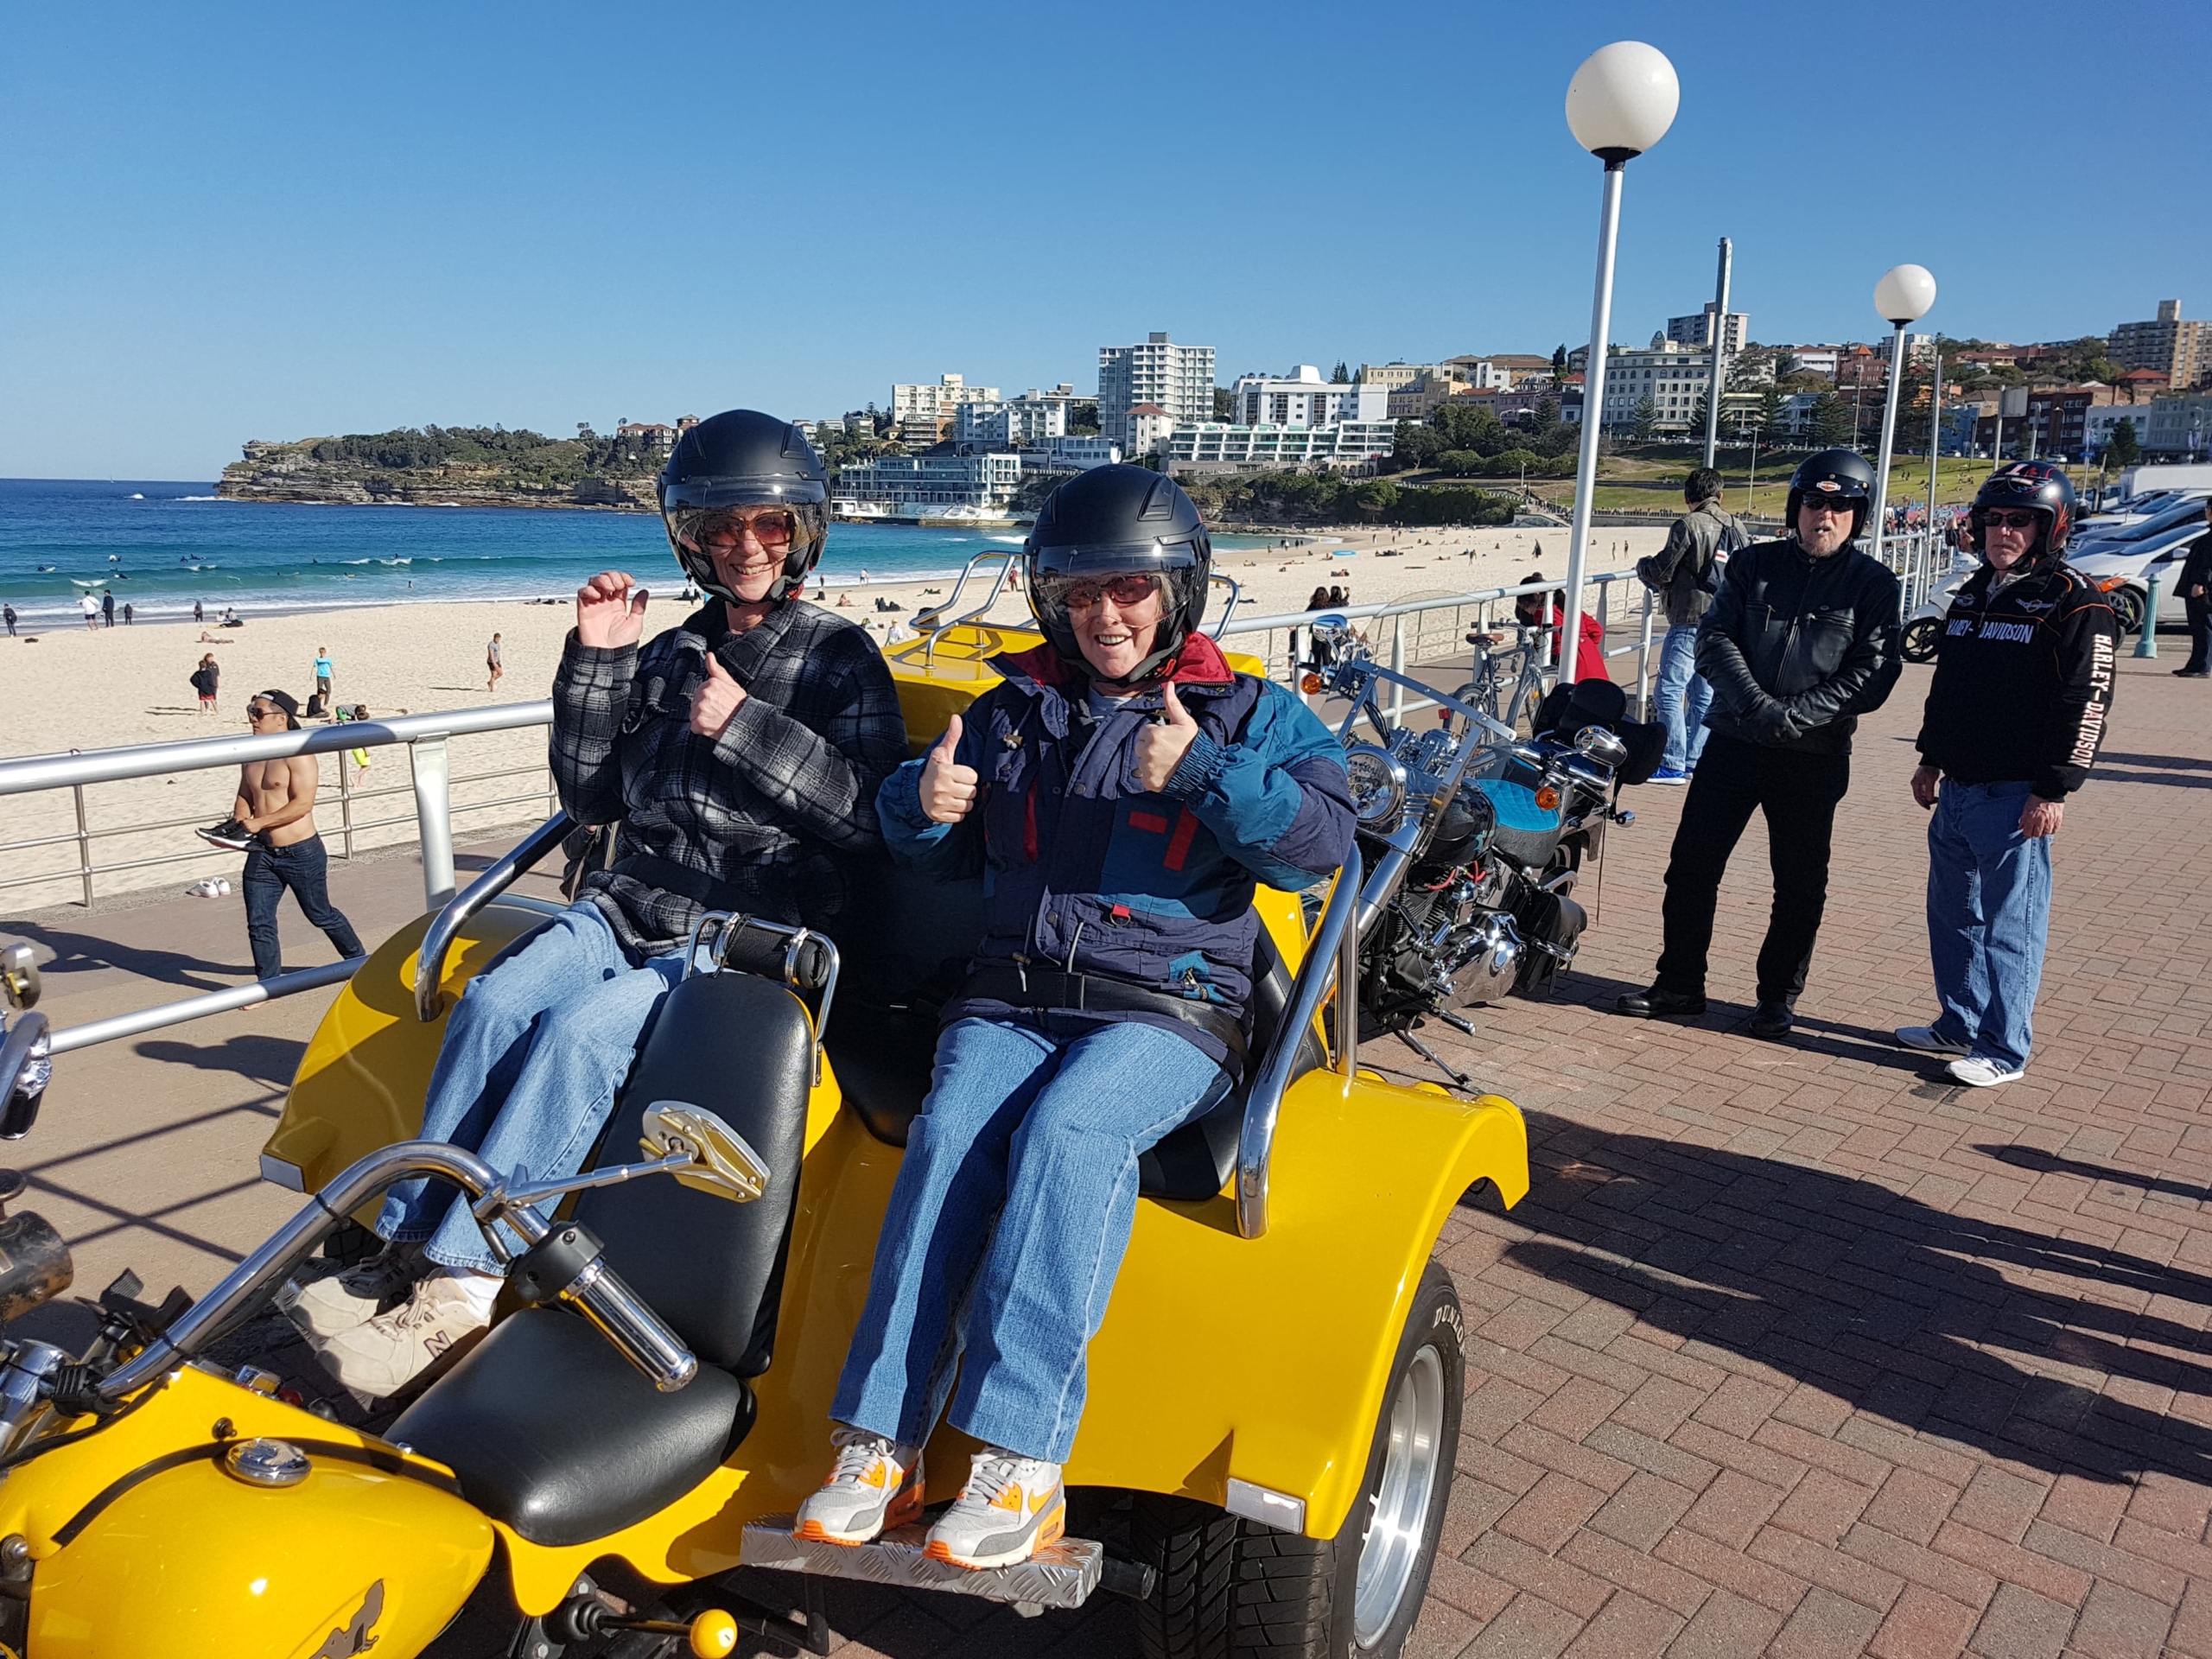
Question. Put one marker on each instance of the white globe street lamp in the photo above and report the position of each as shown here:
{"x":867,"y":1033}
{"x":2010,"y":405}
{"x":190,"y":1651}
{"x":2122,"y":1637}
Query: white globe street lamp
{"x":1906,"y":293}
{"x":1620,"y":103}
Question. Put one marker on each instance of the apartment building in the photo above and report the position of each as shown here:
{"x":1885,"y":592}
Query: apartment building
{"x":1671,"y":375}
{"x":1014,"y":424}
{"x":1217,"y":446}
{"x":2179,"y":350}
{"x":1303,"y":398}
{"x":937,"y":402}
{"x":912,"y":485}
{"x":1696,"y":330}
{"x":1179,"y":379}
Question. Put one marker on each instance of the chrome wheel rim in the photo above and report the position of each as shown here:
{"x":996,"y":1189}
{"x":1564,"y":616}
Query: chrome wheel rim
{"x":1397,"y":1525}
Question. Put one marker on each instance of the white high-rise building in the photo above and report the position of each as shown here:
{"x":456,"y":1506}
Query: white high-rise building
{"x":1017,"y":423}
{"x":1179,"y":379}
{"x":1306,"y":399}
{"x":923,"y":401}
{"x":1697,"y":329}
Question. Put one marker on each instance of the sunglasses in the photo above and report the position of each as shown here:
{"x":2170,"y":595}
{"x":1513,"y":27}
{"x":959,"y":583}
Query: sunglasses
{"x":2009,"y":520}
{"x":1124,"y":591}
{"x":773,"y":528}
{"x":1828,"y":504}
{"x":260,"y":711}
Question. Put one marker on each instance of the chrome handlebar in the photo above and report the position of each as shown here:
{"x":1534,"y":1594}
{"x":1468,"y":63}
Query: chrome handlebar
{"x":437,"y":941}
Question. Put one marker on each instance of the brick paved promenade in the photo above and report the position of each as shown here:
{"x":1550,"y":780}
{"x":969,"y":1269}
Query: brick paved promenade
{"x":1789,"y":1348}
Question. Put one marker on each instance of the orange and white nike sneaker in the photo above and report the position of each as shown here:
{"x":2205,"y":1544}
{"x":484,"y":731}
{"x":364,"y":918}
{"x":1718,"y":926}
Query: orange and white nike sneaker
{"x":1011,"y":1508}
{"x":875,"y":1484}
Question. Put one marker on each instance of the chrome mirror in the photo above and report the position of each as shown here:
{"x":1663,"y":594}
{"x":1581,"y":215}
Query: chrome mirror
{"x":1601,"y":746}
{"x":720,"y":1161}
{"x":19,"y":983}
{"x":1330,"y":628}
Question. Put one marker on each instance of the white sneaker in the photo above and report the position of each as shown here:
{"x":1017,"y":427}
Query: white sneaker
{"x":1924,"y":1040}
{"x":1979,"y":1072}
{"x":1011,"y":1507}
{"x":378,"y":1358}
{"x":875,"y":1484}
{"x":324,"y":1303}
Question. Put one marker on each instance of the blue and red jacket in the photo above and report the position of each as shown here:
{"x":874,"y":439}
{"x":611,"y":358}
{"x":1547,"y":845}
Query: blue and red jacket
{"x":1086,"y":871}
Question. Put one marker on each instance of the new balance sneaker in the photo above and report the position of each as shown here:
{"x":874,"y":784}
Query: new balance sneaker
{"x":1980,"y":1071}
{"x":875,"y":1484}
{"x":377,"y":1358}
{"x":323,"y":1303}
{"x":1011,"y":1507}
{"x":1923,"y":1040}
{"x":229,"y":834}
{"x":1668,"y":775}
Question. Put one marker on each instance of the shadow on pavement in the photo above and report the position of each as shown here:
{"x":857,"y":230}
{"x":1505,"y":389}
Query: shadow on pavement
{"x":1982,"y":1333}
{"x":272,"y":1060}
{"x":84,"y":953}
{"x":2048,"y":1163}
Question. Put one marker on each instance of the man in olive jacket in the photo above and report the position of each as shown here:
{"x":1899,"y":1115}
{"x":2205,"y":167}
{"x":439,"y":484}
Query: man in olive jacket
{"x":1686,"y":574}
{"x":1801,"y":639}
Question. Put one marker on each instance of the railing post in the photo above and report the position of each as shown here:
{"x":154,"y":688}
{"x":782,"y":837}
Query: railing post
{"x":2146,"y":646}
{"x":345,"y":805}
{"x":1398,"y":666}
{"x":83,"y":843}
{"x":1643,"y":662}
{"x":434,"y":816}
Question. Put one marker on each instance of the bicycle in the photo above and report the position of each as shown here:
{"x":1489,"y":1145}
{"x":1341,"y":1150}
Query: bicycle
{"x":1511,"y":703}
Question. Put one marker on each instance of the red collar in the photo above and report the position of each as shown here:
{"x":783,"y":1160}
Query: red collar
{"x":1199,"y":663}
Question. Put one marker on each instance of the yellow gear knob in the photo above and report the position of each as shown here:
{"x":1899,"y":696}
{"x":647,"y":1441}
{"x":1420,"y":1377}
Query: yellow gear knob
{"x":713,"y":1635}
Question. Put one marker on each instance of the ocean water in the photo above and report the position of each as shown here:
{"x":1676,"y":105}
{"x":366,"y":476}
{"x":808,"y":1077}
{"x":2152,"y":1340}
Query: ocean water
{"x":159,"y":546}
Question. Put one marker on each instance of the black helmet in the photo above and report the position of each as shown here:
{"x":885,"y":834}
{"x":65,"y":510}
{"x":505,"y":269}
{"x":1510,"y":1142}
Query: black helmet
{"x":2038,"y":485}
{"x":742,"y":458}
{"x":1834,"y":475}
{"x":1113,"y":520}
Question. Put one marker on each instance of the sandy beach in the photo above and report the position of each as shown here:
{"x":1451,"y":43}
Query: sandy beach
{"x":74,"y":689}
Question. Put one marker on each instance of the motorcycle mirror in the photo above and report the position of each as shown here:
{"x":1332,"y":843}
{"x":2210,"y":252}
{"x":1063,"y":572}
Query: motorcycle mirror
{"x":19,"y":982}
{"x":1601,"y":746}
{"x":1331,"y":625}
{"x":721,"y":1163}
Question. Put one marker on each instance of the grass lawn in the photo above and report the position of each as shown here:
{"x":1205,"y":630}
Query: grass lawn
{"x":1635,"y":483}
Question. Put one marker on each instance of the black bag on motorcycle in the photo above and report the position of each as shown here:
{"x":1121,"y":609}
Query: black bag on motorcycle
{"x":1550,"y":925}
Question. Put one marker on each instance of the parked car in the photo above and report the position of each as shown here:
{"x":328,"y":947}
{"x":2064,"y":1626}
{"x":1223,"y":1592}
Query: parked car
{"x":2126,"y":558}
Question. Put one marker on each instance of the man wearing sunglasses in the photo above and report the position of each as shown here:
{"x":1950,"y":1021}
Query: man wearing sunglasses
{"x":272,"y":822}
{"x":1122,"y":791}
{"x":739,"y":753}
{"x":1800,"y":640}
{"x":2023,"y":685}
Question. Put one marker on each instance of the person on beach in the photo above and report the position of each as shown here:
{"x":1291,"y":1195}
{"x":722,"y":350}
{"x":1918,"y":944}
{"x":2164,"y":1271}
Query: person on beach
{"x":494,"y":664}
{"x":272,"y":822}
{"x":199,"y":612}
{"x":8,"y":613}
{"x":107,"y":607}
{"x":1124,"y":791}
{"x":323,"y":671}
{"x":91,"y":609}
{"x":207,"y":680}
{"x":2017,"y":709}
{"x":740,"y":751}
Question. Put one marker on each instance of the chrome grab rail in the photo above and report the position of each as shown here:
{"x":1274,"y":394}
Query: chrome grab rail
{"x":609,"y":1304}
{"x":1331,"y":959}
{"x":26,"y":1059}
{"x":437,"y":940}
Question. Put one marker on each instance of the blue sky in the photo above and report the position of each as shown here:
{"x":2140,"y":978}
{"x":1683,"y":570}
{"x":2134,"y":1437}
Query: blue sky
{"x":265,"y":221}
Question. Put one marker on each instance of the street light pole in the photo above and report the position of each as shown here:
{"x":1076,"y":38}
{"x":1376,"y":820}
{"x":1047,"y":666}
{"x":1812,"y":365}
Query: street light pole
{"x":1902,"y":296}
{"x":1719,"y":353}
{"x":1621,"y":102}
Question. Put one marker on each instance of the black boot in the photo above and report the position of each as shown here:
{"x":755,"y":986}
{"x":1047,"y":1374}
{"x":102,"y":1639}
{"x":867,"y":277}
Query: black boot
{"x":1660,"y":1003}
{"x":1770,"y":1019}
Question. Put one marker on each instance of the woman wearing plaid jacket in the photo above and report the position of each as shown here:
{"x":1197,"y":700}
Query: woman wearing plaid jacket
{"x":740,"y":752}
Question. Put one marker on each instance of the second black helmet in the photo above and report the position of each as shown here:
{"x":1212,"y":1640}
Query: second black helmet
{"x":1840,"y":475}
{"x":2038,"y":485}
{"x":1120,"y":520}
{"x":742,"y":459}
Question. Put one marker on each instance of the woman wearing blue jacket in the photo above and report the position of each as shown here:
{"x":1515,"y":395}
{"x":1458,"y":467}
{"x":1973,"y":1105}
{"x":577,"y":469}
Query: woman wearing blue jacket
{"x":1123,"y":789}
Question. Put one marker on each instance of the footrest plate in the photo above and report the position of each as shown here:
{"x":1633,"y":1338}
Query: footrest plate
{"x":1062,"y":1575}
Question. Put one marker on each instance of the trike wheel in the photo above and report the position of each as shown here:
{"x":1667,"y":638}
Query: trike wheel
{"x":1921,"y":636}
{"x":1226,"y":1585}
{"x":2127,"y":608}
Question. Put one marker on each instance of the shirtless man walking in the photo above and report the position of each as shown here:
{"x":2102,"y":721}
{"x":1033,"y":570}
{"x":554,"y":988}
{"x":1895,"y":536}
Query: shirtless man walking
{"x":272,"y":822}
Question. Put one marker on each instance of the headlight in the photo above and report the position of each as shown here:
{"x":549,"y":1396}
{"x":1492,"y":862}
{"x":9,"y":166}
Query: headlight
{"x":1378,"y":786}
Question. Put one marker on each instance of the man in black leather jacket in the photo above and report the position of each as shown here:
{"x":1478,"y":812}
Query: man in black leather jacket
{"x":1801,"y":639}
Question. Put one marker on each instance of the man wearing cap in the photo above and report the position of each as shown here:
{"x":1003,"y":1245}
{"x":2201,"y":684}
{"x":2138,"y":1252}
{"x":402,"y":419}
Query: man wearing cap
{"x":1801,"y":639}
{"x":272,"y":821}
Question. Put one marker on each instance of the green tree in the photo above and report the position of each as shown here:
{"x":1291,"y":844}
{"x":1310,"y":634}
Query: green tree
{"x":1224,"y":404}
{"x":1343,"y":376}
{"x":1461,"y":423}
{"x":2122,"y":448}
{"x":1647,"y":420}
{"x":1082,"y":419}
{"x":1558,"y":364}
{"x":1774,"y":418}
{"x":1831,"y":421}
{"x":1418,"y":446}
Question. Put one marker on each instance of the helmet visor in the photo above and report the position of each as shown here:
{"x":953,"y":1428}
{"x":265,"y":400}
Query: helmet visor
{"x":723,"y":530}
{"x":741,"y":490}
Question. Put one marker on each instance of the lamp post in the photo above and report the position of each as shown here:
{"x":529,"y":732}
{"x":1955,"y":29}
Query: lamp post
{"x":1620,"y":103}
{"x":1903,"y":297}
{"x":1719,"y":353}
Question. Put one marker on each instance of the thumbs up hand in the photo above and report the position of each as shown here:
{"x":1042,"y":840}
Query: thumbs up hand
{"x":716,"y":701}
{"x":1163,"y":743}
{"x":948,"y":787}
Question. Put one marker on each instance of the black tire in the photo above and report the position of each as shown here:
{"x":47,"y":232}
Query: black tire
{"x":1921,"y":636}
{"x":1226,"y":1585}
{"x":2127,"y":608}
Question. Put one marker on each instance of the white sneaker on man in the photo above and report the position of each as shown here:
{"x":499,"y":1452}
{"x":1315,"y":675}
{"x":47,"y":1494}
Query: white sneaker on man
{"x":1011,"y":1507}
{"x":1980,"y":1071}
{"x":875,"y":1484}
{"x":1923,"y":1040}
{"x":377,"y":1358}
{"x":331,"y":1302}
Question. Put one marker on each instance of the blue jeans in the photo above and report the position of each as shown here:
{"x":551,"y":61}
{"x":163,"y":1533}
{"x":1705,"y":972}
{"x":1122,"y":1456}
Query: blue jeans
{"x":303,"y":867}
{"x":1680,"y":698}
{"x":1988,"y":908}
{"x":1008,"y":1225}
{"x":533,"y":1054}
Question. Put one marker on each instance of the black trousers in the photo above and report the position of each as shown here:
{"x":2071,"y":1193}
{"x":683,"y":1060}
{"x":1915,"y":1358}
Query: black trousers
{"x":2200,"y":634}
{"x":1798,"y":792}
{"x":302,"y":866}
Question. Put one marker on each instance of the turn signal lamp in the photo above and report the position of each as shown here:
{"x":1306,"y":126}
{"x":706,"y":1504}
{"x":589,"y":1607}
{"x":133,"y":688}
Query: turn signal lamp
{"x":1310,"y":685}
{"x":1548,"y":798}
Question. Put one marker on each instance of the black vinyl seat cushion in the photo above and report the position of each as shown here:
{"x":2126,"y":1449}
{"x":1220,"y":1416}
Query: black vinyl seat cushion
{"x":551,"y":1431}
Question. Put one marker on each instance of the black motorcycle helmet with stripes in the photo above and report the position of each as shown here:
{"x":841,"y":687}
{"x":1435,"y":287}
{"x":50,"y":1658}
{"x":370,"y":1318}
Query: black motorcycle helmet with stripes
{"x":2038,"y":485}
{"x":1840,"y":475}
{"x":742,"y":458}
{"x":1112,"y":521}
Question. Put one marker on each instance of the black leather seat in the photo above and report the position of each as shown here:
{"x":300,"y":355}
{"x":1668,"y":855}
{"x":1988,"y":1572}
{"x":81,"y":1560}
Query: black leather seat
{"x":904,"y":945}
{"x":548,"y":1427}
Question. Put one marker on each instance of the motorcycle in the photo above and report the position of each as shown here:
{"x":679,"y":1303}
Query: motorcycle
{"x":1275,"y":1393}
{"x":1477,"y":837}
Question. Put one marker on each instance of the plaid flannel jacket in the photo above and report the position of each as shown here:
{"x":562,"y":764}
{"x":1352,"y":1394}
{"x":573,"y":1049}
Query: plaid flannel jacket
{"x":759,"y":813}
